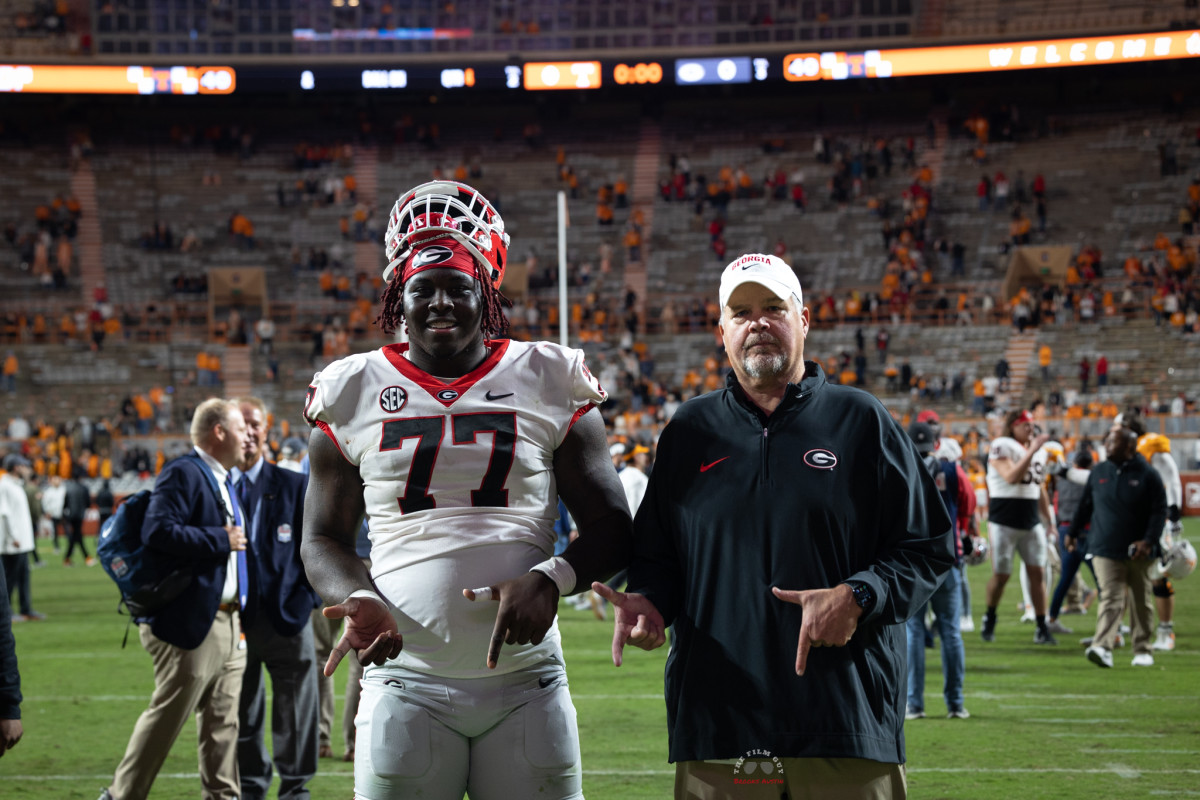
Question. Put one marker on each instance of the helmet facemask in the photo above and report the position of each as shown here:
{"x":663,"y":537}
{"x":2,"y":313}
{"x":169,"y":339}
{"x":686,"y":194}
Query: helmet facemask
{"x":446,"y":208}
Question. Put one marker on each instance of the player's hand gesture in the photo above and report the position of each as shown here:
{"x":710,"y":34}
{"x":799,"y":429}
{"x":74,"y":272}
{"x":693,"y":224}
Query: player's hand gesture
{"x":830,"y":618}
{"x":528,"y":605}
{"x":370,"y":631}
{"x":637,"y":622}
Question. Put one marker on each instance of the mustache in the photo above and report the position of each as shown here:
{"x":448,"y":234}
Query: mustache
{"x":761,"y":338}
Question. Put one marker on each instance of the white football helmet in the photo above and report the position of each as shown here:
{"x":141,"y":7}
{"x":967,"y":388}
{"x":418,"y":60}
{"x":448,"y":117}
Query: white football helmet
{"x":1056,"y":455}
{"x":1178,"y":562}
{"x":948,"y":449}
{"x":979,"y":551}
{"x":446,"y":208}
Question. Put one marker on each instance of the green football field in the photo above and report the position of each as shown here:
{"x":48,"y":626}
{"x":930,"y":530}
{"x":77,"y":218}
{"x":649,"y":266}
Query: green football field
{"x":1045,"y":722}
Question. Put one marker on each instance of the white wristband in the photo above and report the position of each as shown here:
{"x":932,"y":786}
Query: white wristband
{"x":558,"y":570}
{"x":371,"y":594}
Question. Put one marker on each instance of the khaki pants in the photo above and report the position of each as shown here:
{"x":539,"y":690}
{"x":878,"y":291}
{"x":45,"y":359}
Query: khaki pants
{"x":1114,"y":577}
{"x":325,"y":635}
{"x":795,"y":778}
{"x":206,"y":682}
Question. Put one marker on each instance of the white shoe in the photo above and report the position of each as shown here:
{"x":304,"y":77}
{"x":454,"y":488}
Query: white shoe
{"x":960,"y":713}
{"x":1143,"y":660}
{"x":1028,"y":617}
{"x":1164,"y":639}
{"x":597,"y":604}
{"x":966,"y":625}
{"x":1057,"y":627}
{"x":1087,"y":640}
{"x":1123,"y":629}
{"x":1099,"y":656}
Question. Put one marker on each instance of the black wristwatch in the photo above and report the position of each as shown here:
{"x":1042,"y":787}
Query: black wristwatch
{"x":864,"y":595}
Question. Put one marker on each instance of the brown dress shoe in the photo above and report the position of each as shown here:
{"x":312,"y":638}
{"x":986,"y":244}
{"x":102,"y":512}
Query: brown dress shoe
{"x":349,"y":757}
{"x":325,"y":752}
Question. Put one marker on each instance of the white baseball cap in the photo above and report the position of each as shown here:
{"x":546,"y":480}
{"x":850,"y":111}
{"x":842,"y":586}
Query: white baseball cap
{"x":766,"y":270}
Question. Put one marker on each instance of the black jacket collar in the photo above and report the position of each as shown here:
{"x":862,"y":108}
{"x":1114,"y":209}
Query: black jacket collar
{"x":813,"y":381}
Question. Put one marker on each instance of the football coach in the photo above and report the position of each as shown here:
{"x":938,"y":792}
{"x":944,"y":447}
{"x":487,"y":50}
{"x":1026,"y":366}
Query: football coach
{"x":781,"y":508}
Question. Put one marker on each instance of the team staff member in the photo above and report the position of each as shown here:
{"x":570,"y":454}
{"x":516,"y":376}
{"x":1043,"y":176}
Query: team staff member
{"x":1016,"y":500}
{"x":783,"y":504}
{"x":947,"y":598}
{"x":276,"y":623}
{"x":457,"y":446}
{"x":1069,"y":485}
{"x":193,"y":640}
{"x":1126,"y":504}
{"x":1156,"y":449}
{"x":11,"y":729}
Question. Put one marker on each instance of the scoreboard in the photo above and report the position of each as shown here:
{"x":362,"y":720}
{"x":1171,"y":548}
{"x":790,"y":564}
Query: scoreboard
{"x":395,"y":75}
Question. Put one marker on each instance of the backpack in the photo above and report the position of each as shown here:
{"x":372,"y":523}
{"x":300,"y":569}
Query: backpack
{"x":148,"y":580}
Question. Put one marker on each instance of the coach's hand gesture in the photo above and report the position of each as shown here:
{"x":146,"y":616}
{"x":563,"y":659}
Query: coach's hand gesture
{"x":830,"y":618}
{"x":370,"y":631}
{"x":638,"y":621}
{"x":527,"y":608}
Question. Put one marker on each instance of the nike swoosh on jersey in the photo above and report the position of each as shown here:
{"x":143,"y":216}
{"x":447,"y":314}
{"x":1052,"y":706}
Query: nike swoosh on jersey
{"x":707,"y":467}
{"x":489,"y":396}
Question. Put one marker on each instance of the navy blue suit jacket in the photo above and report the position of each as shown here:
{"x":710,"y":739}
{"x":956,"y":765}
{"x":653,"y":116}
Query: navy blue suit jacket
{"x":279,"y":588}
{"x":186,"y":521}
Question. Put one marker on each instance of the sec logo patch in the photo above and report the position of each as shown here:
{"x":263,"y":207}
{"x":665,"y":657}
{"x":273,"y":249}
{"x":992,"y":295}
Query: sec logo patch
{"x":392,"y":399}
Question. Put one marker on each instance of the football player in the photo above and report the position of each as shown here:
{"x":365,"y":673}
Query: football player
{"x":457,"y":445}
{"x":1017,"y":505}
{"x":1049,"y":460}
{"x":1156,"y":448}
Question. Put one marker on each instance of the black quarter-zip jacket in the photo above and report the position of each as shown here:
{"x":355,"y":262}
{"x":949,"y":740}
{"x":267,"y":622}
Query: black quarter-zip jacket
{"x":828,"y":488}
{"x":1124,"y":503}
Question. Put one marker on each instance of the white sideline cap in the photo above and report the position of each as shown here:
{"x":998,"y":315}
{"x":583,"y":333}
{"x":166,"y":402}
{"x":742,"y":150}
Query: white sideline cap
{"x":769,"y":271}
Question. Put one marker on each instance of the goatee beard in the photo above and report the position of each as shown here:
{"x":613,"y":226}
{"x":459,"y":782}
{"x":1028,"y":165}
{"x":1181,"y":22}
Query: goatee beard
{"x":765,"y":366}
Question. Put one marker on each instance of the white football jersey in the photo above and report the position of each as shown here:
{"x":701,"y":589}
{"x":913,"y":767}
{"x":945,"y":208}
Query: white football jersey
{"x":458,"y":482}
{"x":1030,"y":486}
{"x":634,"y":482}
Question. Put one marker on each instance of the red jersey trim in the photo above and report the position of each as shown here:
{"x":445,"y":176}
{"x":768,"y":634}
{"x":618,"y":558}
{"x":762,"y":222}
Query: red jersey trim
{"x":329,"y":432}
{"x":579,"y":414}
{"x":445,"y":393}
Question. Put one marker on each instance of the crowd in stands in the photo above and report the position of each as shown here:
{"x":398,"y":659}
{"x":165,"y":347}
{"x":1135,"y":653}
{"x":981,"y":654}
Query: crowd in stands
{"x":45,"y":245}
{"x":915,"y":275}
{"x":45,"y":18}
{"x":138,"y":439}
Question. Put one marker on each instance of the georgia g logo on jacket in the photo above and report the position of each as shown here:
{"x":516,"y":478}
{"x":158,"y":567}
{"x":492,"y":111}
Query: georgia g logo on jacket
{"x":820,"y":459}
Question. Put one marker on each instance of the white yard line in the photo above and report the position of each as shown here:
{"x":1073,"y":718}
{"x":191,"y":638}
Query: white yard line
{"x":1120,"y":770}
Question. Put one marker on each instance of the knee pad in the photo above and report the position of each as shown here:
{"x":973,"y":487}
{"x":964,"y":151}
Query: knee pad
{"x":1163,"y":588}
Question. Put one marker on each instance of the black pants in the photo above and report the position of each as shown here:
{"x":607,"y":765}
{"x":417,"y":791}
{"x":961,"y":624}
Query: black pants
{"x":74,"y":537}
{"x":16,"y":577}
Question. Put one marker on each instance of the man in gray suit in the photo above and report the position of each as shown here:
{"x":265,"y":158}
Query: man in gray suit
{"x":276,"y":623}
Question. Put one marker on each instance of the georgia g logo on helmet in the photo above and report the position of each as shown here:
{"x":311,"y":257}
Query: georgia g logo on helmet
{"x":434,"y":254}
{"x":438,"y":208}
